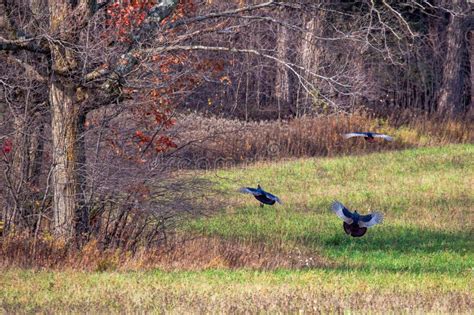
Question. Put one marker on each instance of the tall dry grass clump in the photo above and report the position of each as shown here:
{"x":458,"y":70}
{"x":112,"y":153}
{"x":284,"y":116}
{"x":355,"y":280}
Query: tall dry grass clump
{"x":179,"y":253}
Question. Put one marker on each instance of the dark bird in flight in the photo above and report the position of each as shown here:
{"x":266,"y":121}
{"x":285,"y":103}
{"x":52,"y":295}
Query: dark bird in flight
{"x":368,"y":136}
{"x":261,"y":195}
{"x":355,"y":224}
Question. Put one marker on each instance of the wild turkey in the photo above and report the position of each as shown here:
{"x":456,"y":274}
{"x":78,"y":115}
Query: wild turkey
{"x":261,"y":195}
{"x":368,"y":136}
{"x":355,"y":224}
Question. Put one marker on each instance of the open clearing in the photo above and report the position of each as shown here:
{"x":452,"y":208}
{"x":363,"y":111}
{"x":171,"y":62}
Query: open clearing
{"x":421,"y":258}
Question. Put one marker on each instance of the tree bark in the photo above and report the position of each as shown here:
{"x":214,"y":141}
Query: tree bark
{"x":450,"y":96}
{"x":36,"y":154}
{"x":312,"y":53}
{"x":282,"y":86}
{"x":308,"y":61}
{"x":65,"y":181}
{"x":65,"y":20}
{"x":471,"y":60}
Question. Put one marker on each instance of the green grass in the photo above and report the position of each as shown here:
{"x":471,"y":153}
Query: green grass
{"x":420,"y":259}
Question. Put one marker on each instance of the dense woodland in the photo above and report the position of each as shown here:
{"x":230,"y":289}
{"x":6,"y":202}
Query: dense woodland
{"x":98,"y":96}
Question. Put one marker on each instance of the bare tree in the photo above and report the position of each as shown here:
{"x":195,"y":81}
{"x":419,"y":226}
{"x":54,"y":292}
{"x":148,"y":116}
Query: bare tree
{"x":58,"y":58}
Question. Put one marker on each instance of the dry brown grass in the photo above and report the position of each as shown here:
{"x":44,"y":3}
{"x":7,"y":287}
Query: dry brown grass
{"x":191,"y":253}
{"x":218,"y":142}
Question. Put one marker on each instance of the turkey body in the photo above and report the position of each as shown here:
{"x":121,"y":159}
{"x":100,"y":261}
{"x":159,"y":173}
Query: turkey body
{"x":355,"y":224}
{"x":261,"y":195}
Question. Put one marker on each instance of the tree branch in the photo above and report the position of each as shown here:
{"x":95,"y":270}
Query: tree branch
{"x":156,"y":14}
{"x":30,"y":70}
{"x":128,"y":61}
{"x":22,"y":44}
{"x":222,"y":14}
{"x":399,"y":17}
{"x":96,"y":74}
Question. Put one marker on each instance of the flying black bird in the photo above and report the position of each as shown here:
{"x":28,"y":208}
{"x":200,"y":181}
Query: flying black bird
{"x":355,"y":224}
{"x":368,"y":136}
{"x":261,"y":195}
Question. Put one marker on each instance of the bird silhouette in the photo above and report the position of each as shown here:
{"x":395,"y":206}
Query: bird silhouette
{"x":261,"y":195}
{"x":355,"y":224}
{"x":368,"y":136}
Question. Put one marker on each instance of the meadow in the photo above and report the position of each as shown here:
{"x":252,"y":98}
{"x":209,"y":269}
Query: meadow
{"x":420,"y":259}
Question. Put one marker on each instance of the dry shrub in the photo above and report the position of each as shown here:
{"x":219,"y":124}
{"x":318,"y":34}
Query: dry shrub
{"x":210,"y":142}
{"x":194,"y":253}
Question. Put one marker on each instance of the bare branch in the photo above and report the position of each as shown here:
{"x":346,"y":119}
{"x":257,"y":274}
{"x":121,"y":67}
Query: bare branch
{"x":22,"y":44}
{"x":96,"y":74}
{"x":399,"y":17}
{"x":223,"y":14}
{"x":30,"y":70}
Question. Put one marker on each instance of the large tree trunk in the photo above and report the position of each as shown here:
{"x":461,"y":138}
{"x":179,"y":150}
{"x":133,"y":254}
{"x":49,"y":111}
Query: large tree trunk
{"x":450,"y":96}
{"x":65,"y":118}
{"x":65,"y":181}
{"x":308,"y":61}
{"x":71,"y":216}
{"x":312,"y":53}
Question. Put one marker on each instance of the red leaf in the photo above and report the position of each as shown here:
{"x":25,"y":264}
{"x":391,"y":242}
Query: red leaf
{"x":7,"y":146}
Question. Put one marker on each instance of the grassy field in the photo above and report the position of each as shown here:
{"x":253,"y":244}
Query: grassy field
{"x":420,"y":259}
{"x":426,"y":196}
{"x":233,"y":291}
